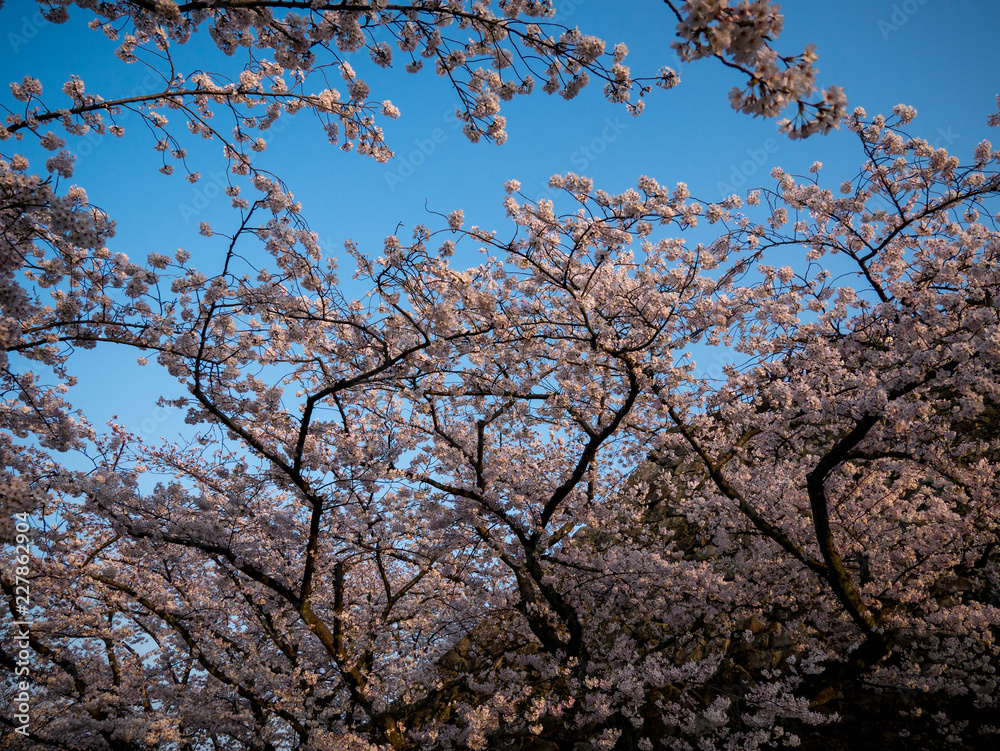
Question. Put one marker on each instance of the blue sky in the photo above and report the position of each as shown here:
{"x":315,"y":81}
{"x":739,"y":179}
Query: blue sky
{"x":940,"y":57}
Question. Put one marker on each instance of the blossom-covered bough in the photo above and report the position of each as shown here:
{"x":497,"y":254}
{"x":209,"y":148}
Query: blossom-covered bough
{"x":739,"y":36}
{"x":496,"y":506}
{"x":499,"y":58}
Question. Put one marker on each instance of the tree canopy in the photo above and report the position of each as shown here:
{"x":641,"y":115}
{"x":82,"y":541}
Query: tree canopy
{"x":495,"y":505}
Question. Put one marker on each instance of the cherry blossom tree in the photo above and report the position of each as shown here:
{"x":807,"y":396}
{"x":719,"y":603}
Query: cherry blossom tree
{"x":495,"y":506}
{"x":498,"y":60}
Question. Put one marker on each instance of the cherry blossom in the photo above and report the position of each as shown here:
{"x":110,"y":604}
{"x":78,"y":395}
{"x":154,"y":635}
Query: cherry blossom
{"x":495,"y":505}
{"x":740,"y":35}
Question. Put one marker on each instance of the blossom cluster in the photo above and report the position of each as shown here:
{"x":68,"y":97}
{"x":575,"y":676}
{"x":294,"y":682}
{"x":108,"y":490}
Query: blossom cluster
{"x":742,"y":33}
{"x":305,"y":46}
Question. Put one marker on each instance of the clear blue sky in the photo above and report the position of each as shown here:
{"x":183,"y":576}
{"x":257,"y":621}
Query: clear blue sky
{"x":941,"y":57}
